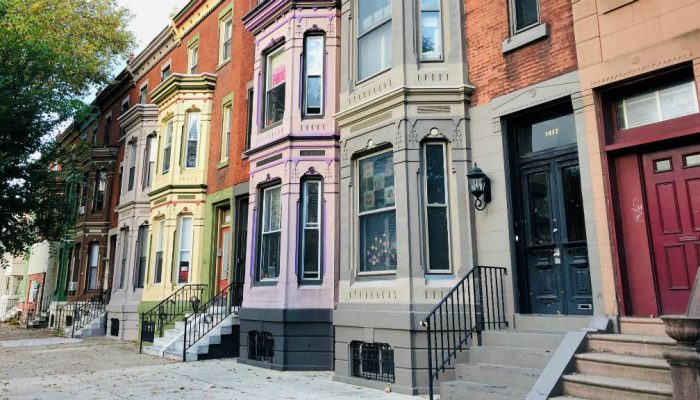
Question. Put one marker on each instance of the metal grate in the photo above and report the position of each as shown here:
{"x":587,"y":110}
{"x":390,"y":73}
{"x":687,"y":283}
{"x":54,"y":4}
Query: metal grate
{"x":372,"y":361}
{"x":261,"y":346}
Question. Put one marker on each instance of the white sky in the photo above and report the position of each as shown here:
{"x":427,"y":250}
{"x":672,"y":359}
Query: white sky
{"x":150,"y":17}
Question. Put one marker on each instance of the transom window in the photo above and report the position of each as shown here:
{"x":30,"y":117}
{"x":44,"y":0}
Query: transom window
{"x":373,"y":37}
{"x":657,"y":105}
{"x":185,"y":253}
{"x":524,"y":14}
{"x":313,"y":75}
{"x":311,"y":207}
{"x":436,"y":207}
{"x":270,"y":234}
{"x":431,"y":30}
{"x":275,"y":80}
{"x":377,"y":213}
{"x":192,"y":140}
{"x":167,"y":146}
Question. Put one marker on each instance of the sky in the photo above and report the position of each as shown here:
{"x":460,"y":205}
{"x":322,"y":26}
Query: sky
{"x":150,"y":17}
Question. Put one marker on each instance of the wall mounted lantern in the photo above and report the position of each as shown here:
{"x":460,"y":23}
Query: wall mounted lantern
{"x":479,"y":187}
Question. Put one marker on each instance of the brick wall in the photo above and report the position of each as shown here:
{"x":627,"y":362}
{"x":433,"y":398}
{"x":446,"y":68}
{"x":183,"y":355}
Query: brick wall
{"x":494,"y":73}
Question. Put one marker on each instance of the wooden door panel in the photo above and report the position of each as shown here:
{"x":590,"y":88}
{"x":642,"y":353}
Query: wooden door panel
{"x":667,"y":207}
{"x":693,"y":189}
{"x":676,"y":266}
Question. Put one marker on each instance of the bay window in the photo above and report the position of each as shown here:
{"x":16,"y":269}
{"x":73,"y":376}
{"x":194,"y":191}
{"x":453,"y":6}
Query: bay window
{"x":275,"y":79}
{"x":313,"y":75}
{"x":270,"y":234}
{"x":430,"y":30}
{"x":184,"y":259}
{"x":374,"y":37}
{"x":150,"y":161}
{"x":311,"y":206}
{"x":436,"y":207}
{"x":167,"y":146}
{"x":192,"y":140}
{"x":377,"y":213}
{"x":158,"y":270}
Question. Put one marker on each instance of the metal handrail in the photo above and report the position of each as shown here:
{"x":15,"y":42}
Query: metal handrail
{"x":86,"y":312}
{"x":174,"y":306}
{"x":211,"y":314}
{"x":476,"y":303}
{"x":70,"y":306}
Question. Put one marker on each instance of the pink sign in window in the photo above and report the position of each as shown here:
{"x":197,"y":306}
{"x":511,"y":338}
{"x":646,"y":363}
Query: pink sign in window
{"x":278,"y":75}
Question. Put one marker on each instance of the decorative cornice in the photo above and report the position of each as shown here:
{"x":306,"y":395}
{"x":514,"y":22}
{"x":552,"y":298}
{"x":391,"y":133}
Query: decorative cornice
{"x":137,"y":114}
{"x":186,"y":20}
{"x":268,"y":11}
{"x":205,"y":82}
{"x":152,"y":54}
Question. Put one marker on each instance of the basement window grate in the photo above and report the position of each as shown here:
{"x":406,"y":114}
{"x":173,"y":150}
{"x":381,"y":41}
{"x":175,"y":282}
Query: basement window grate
{"x":373,"y":361}
{"x":261,"y":346}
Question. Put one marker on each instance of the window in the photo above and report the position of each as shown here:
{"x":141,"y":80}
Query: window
{"x":167,"y":146}
{"x":249,"y":122}
{"x":377,"y":216}
{"x":165,"y":72}
{"x":311,"y":206}
{"x":94,"y":134}
{"x":192,"y":140}
{"x":92,"y":266}
{"x":125,"y":105}
{"x":124,"y":258}
{"x":430,"y":30}
{"x":436,"y":197}
{"x":185,"y":255}
{"x":132,"y":165}
{"x":142,"y":255}
{"x":275,"y":77}
{"x":226,"y":132}
{"x":374,"y":37}
{"x":108,"y":130}
{"x":150,"y":161}
{"x":372,"y":361}
{"x":83,"y":194}
{"x":657,"y":105}
{"x":98,"y":200}
{"x":193,"y":58}
{"x":226,"y":35}
{"x":523,"y":14}
{"x":270,"y":234}
{"x":261,"y":346}
{"x":158,"y":270}
{"x":143,"y":94}
{"x":313,"y":75}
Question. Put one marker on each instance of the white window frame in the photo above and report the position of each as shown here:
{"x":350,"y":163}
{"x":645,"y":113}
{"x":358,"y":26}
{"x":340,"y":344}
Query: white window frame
{"x":225,"y":42}
{"x":305,"y":226}
{"x":513,"y":18}
{"x":124,"y":259}
{"x":369,"y":31}
{"x":262,"y":234}
{"x":446,"y":206}
{"x":167,"y":146}
{"x":181,"y":250}
{"x":131,"y":180}
{"x":141,"y":254}
{"x":226,"y":119}
{"x":93,"y":265}
{"x":150,"y":155}
{"x":192,"y":143}
{"x":441,"y":56}
{"x":321,"y":77}
{"x":193,"y":58}
{"x":165,"y":67}
{"x":160,"y":242}
{"x":360,"y":214}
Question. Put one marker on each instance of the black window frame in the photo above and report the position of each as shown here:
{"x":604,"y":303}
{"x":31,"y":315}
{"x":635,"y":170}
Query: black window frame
{"x":259,"y":281}
{"x":279,"y":48}
{"x":302,"y":229}
{"x":322,"y":77}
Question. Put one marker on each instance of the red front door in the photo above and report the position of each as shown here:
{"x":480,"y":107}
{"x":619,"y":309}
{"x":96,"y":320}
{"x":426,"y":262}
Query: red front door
{"x":672,"y":180}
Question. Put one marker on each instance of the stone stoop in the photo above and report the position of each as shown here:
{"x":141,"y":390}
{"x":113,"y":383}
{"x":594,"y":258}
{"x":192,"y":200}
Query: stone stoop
{"x":41,"y":321}
{"x":96,"y":327}
{"x":505,"y":367}
{"x":220,"y":342}
{"x":624,"y":366}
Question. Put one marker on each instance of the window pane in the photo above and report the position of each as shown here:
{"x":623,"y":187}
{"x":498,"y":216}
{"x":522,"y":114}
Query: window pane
{"x":431,"y":38}
{"x":313,"y":95}
{"x":430,"y":4}
{"x":192,"y":140}
{"x":641,"y":110}
{"x":435,"y":173}
{"x":372,"y":12}
{"x":438,"y":239}
{"x":538,"y":192}
{"x":378,"y":242}
{"x":275,"y":88}
{"x":377,"y":182}
{"x":548,"y":134}
{"x":573,"y":203}
{"x":525,"y":13}
{"x":311,"y":192}
{"x":677,"y":101}
{"x":375,"y":51}
{"x":314,"y":55}
{"x":311,"y":248}
{"x":225,"y":239}
{"x":273,"y":210}
{"x":270,"y":257}
{"x":185,"y":233}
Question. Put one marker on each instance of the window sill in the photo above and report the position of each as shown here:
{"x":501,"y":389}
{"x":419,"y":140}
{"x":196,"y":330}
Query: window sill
{"x":526,"y":37}
{"x":370,"y":77}
{"x":271,"y":282}
{"x":222,"y":164}
{"x":223,"y":64}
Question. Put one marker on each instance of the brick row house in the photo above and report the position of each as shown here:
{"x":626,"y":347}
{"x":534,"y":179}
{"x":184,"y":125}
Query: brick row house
{"x":433,"y":195}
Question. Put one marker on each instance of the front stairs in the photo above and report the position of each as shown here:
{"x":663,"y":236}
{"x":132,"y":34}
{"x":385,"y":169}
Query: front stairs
{"x":220,"y":342}
{"x":39,"y":321}
{"x":88,"y":326}
{"x":625,"y":366}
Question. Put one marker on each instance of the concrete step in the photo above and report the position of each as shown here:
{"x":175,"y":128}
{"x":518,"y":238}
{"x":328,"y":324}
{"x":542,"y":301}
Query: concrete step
{"x":632,"y":345}
{"x":536,"y":340}
{"x":465,"y":390}
{"x":626,"y":367}
{"x":514,"y":377}
{"x":595,"y":387}
{"x":558,"y":323}
{"x":514,"y":356}
{"x":642,"y":326}
{"x":566,"y":398}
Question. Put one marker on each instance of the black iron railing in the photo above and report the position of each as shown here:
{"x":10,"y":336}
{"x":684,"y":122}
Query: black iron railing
{"x":46,"y":302}
{"x":85,"y":312}
{"x":209,"y":315}
{"x":187,"y":298}
{"x":476,"y":303}
{"x":67,"y":310}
